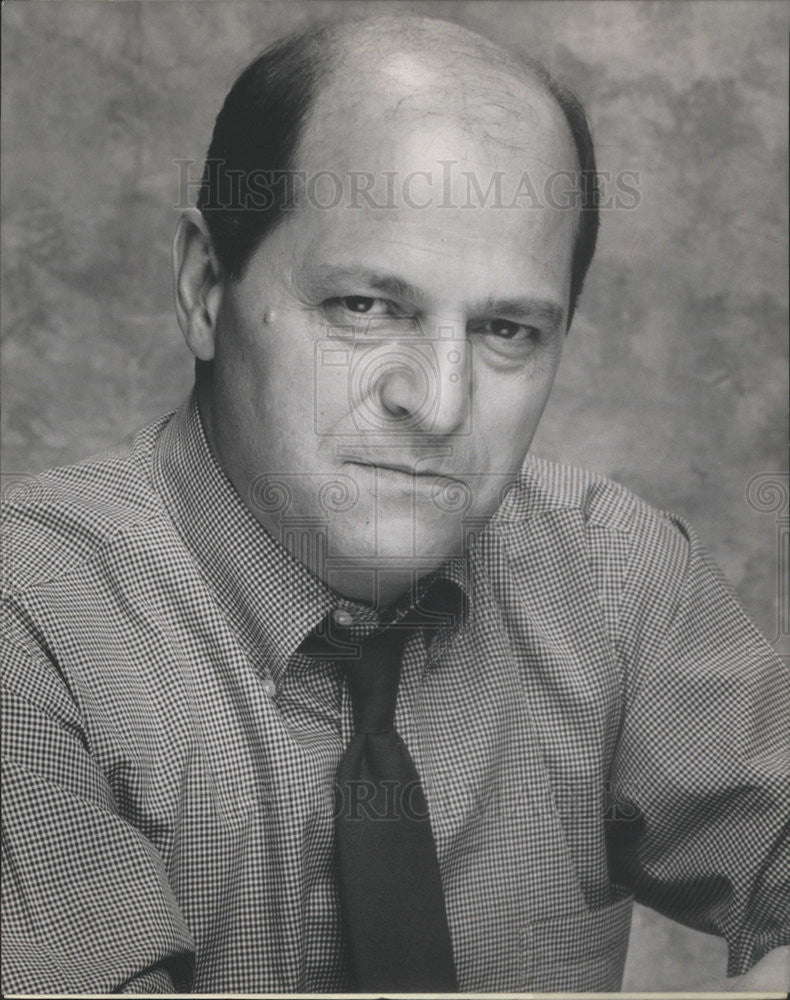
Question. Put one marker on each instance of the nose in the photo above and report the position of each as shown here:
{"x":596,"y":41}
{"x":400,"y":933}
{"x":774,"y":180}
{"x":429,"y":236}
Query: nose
{"x":425,"y":383}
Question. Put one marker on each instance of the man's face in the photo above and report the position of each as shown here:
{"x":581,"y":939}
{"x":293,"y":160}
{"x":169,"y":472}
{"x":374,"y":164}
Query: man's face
{"x":380,"y":371}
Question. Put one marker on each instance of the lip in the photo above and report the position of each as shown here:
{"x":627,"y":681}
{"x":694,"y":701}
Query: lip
{"x":394,"y":469}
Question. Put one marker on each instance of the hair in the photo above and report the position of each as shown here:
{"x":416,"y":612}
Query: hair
{"x":589,"y":215}
{"x":259,"y":127}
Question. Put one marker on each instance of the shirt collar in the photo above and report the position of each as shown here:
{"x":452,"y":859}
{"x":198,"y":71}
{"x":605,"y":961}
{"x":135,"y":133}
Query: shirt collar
{"x":271,"y":599}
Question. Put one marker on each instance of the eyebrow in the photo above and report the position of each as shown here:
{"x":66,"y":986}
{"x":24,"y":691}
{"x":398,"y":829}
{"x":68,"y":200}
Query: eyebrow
{"x":526,"y":307}
{"x":523,"y":308}
{"x":388,"y":284}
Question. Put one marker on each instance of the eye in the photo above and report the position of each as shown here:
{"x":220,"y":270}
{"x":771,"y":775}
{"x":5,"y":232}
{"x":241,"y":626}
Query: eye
{"x":508,"y":330}
{"x":508,"y":339}
{"x":366,"y":315}
{"x":364,"y":305}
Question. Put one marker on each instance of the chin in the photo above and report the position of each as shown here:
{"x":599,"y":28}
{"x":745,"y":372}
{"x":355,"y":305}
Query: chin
{"x":408,"y":545}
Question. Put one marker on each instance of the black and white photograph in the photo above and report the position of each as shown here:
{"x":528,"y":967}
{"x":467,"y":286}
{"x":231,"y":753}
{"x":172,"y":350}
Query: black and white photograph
{"x":396,"y":517}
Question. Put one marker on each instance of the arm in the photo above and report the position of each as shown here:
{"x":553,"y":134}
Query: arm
{"x":704,"y":760}
{"x":86,"y":904}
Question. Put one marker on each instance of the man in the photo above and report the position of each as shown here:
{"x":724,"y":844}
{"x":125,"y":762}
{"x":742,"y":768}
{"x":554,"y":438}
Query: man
{"x":587,"y":713}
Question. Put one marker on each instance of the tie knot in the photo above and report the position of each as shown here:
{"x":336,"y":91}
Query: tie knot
{"x":373,"y":681}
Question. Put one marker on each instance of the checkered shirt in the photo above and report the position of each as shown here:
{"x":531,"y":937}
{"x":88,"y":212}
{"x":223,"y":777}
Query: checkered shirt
{"x":603,"y":724}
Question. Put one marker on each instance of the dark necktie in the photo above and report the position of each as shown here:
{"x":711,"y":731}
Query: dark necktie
{"x":390,"y":889}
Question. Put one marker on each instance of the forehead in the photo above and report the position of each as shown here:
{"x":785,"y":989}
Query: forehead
{"x":442,"y":171}
{"x":455,"y":101}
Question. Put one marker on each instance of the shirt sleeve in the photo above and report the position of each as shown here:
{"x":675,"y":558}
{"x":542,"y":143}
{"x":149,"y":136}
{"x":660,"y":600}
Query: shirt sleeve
{"x":701,"y":779}
{"x":87,"y":907}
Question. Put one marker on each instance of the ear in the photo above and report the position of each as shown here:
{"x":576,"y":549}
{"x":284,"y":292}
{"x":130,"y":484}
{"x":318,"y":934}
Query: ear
{"x":198,"y":283}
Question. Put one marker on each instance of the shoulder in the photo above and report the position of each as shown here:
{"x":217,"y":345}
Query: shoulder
{"x":600,"y":518}
{"x":546,"y":487}
{"x":584,"y":537}
{"x":61,"y":518}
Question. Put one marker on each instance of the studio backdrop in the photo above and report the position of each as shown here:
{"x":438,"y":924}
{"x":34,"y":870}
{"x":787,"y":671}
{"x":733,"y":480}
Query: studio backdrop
{"x":674,"y":378}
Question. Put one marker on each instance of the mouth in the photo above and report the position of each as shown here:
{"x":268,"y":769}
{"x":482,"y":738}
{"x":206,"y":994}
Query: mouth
{"x":396,"y":471}
{"x":393,"y":467}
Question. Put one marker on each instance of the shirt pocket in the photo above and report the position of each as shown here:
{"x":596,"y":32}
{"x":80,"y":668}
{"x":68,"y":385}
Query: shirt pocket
{"x":579,"y":951}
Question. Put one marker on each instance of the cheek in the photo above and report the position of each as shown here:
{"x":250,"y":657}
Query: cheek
{"x":507,"y":416}
{"x":265,"y":361}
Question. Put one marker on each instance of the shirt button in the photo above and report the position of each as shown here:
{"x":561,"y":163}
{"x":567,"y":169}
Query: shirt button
{"x":269,"y":688}
{"x":343,"y":618}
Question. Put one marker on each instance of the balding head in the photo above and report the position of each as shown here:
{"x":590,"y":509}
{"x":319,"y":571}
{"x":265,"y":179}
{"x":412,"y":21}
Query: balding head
{"x":312,"y":91}
{"x":424,"y":63}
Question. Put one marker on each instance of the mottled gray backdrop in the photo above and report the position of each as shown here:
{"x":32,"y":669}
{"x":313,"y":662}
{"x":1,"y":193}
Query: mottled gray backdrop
{"x":675,"y":376}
